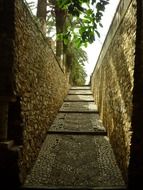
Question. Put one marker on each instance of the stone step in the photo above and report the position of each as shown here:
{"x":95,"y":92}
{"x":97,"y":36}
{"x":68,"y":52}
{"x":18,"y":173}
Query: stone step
{"x":77,"y":122}
{"x":82,"y":92}
{"x":6,"y":144}
{"x":79,"y":98}
{"x":100,"y":133}
{"x":79,"y":107}
{"x":80,"y":88}
{"x":76,"y":153}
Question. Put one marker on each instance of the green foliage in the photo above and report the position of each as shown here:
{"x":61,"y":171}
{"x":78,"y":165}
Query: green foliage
{"x":78,"y":59}
{"x":84,"y":17}
{"x":78,"y":28}
{"x":77,"y":75}
{"x":78,"y":54}
{"x":50,"y":22}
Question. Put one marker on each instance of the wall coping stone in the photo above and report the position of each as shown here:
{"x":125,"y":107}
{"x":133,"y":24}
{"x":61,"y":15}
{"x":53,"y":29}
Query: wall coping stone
{"x":117,"y":20}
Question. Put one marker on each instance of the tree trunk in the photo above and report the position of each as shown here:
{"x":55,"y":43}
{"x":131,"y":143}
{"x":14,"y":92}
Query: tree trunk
{"x":60,"y":22}
{"x":41,"y":13}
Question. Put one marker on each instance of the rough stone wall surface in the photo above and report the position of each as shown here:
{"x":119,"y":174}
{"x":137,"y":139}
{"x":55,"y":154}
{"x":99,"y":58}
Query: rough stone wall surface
{"x":112,"y":85}
{"x":40,"y":84}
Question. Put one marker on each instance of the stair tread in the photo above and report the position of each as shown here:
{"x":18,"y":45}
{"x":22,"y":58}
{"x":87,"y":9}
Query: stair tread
{"x":76,"y":153}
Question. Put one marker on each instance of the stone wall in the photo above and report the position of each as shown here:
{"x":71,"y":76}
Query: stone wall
{"x":112,"y":81}
{"x":39,"y":86}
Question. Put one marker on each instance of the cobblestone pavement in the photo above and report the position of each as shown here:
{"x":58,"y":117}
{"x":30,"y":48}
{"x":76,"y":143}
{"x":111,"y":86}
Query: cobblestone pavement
{"x":81,"y":160}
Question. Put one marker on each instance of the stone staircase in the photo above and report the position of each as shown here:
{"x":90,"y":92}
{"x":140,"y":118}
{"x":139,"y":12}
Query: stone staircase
{"x":76,"y":153}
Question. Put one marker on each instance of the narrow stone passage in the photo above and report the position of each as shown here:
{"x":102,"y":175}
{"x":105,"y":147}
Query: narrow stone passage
{"x":76,"y":153}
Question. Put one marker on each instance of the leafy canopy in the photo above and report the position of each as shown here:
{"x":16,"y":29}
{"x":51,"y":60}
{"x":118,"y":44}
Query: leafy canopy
{"x":83,"y":19}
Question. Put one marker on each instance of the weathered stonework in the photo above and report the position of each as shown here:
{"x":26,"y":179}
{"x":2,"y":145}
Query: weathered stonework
{"x":112,"y":84}
{"x":39,"y":86}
